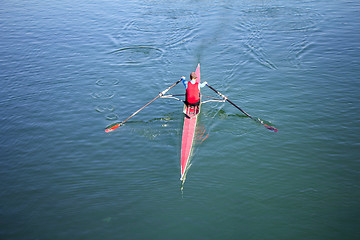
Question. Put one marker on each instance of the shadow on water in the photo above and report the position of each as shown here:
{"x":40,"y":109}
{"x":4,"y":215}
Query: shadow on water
{"x":153,"y":128}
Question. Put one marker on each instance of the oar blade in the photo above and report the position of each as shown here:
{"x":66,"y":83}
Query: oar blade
{"x":266,"y":124}
{"x":112,"y":127}
{"x":271,"y":128}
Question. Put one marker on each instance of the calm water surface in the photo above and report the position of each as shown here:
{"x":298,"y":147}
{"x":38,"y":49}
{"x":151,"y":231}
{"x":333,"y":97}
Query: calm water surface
{"x":70,"y":68}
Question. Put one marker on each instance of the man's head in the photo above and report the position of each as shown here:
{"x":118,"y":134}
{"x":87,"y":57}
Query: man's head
{"x":193,"y":76}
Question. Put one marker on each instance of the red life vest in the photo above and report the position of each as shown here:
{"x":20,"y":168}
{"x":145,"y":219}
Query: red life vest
{"x":192,"y":93}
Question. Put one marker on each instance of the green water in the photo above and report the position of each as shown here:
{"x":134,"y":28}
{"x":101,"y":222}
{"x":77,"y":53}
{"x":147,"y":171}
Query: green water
{"x":70,"y":68}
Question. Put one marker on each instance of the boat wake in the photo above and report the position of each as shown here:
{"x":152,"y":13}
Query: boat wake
{"x":260,"y":26}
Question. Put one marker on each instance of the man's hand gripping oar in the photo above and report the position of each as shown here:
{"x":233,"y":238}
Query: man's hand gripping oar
{"x":114,"y":126}
{"x":255,"y":119}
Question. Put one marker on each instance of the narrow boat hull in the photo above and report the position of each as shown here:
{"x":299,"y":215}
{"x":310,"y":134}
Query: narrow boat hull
{"x":190,"y":120}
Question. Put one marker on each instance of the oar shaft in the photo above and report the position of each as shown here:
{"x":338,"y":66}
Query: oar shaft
{"x":140,"y":109}
{"x":223,"y":96}
{"x":166,"y":90}
{"x":240,"y":109}
{"x":113,"y":127}
{"x":256,"y":120}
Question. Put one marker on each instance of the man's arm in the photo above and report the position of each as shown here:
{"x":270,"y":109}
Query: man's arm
{"x":203,"y":84}
{"x":184,"y":81}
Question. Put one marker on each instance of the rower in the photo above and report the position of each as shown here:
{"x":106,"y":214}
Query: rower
{"x":192,"y":88}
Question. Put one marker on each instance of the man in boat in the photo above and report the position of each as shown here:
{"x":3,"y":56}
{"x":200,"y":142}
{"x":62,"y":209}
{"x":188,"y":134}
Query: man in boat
{"x":192,"y":89}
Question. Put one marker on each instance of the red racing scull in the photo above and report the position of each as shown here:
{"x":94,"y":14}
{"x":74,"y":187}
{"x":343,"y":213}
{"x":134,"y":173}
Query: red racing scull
{"x":190,"y":120}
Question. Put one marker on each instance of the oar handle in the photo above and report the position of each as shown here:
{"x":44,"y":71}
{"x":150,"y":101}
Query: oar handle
{"x":166,"y":90}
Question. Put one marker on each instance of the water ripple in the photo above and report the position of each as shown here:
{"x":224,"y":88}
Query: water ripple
{"x":253,"y":42}
{"x":297,"y":50}
{"x":137,"y":55}
{"x":104,"y":94}
{"x":107,"y":82}
{"x":144,"y":31}
{"x":112,"y":117}
{"x":104,"y":108}
{"x":284,"y":18}
{"x":262,"y":24}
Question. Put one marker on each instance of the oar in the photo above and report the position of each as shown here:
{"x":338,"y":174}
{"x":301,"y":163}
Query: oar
{"x":255,"y":119}
{"x":114,"y":126}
